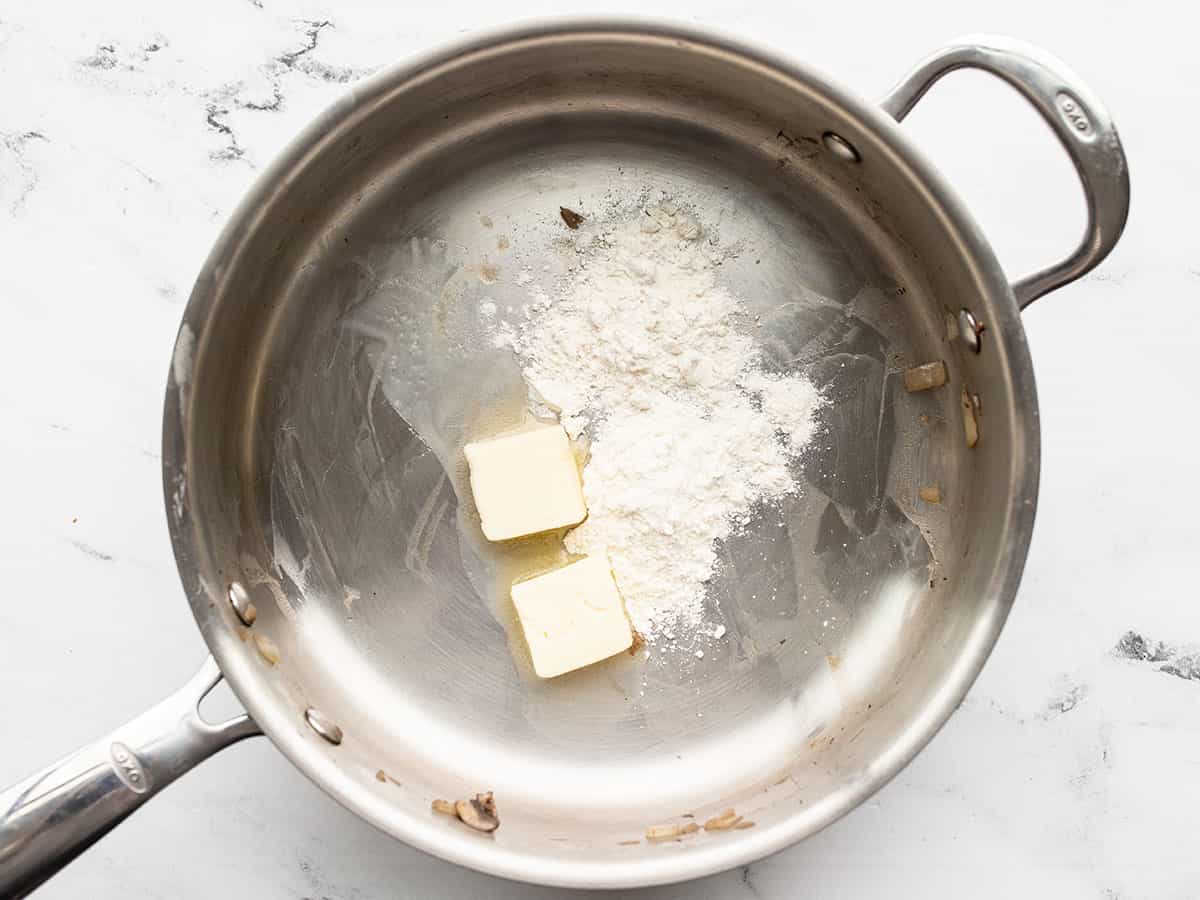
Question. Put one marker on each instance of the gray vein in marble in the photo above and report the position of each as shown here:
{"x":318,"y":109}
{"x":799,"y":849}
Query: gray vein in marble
{"x":312,"y":34}
{"x":1062,"y":701}
{"x":111,"y":55}
{"x":214,"y":116}
{"x":301,"y":59}
{"x":1186,"y":667}
{"x":27,"y":177}
{"x":1175,"y":661}
{"x":327,"y":72}
{"x":272,"y":105}
{"x":150,"y":179}
{"x":1066,"y":701}
{"x":321,"y":887}
{"x":89,"y":550}
{"x":105,"y":57}
{"x":267,"y":95}
{"x":747,"y":875}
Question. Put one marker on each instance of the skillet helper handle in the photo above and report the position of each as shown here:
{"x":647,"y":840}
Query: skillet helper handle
{"x":51,"y":817}
{"x":1079,"y":121}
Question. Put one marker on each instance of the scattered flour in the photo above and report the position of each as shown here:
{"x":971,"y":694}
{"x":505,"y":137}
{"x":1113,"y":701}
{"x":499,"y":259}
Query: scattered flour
{"x":663,"y":484}
{"x":644,"y":350}
{"x":790,"y":403}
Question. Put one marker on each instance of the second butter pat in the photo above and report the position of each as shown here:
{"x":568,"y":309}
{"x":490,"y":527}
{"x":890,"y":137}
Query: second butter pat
{"x":525,"y":483}
{"x":572,"y":617}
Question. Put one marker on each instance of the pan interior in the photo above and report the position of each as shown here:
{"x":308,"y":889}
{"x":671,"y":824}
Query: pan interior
{"x":347,"y":358}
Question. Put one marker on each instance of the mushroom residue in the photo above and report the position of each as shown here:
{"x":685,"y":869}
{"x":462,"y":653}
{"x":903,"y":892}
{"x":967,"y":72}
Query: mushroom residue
{"x":930,"y":493}
{"x":479,"y":812}
{"x":970,"y":425}
{"x":670,"y":831}
{"x":723,"y":822}
{"x":266,"y":649}
{"x":663,"y":832}
{"x":727,"y":821}
{"x":924,"y":377}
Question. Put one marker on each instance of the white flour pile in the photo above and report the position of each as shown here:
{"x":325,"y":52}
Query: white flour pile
{"x":644,"y":351}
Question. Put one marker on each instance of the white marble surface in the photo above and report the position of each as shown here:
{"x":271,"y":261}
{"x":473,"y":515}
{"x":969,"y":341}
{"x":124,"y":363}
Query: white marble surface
{"x":128,"y":130}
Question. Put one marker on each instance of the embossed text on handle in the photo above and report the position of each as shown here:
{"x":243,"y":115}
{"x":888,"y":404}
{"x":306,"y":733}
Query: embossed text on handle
{"x":129,"y":768}
{"x":1072,"y":111}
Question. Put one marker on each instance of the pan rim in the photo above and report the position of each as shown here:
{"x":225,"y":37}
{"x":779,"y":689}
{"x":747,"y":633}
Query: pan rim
{"x":283,"y":726}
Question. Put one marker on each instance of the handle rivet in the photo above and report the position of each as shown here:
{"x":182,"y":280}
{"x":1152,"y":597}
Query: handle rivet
{"x":240,"y":601}
{"x":319,"y":723}
{"x":840,"y":147}
{"x":970,"y":329}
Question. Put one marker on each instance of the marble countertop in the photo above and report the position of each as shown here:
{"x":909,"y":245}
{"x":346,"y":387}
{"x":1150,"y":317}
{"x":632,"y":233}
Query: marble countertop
{"x":128,"y":131}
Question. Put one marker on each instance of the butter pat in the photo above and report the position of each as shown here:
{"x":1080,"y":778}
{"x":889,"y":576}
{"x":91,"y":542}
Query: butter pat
{"x":572,"y":617}
{"x":525,"y":483}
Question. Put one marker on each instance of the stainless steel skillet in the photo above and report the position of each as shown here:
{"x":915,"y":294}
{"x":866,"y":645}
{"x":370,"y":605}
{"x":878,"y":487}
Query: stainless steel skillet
{"x":309,"y":476}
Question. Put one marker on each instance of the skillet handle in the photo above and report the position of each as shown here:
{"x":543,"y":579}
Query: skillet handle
{"x":51,"y":817}
{"x":1078,"y":119}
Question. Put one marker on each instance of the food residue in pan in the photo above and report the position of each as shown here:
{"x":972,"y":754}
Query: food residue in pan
{"x":925,"y":377}
{"x":570,"y":217}
{"x":478,"y":812}
{"x":670,"y":831}
{"x":266,"y":649}
{"x":970,"y":425}
{"x":728,"y":820}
